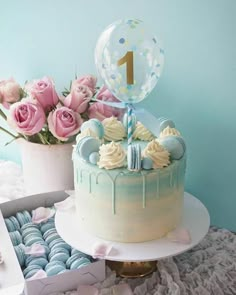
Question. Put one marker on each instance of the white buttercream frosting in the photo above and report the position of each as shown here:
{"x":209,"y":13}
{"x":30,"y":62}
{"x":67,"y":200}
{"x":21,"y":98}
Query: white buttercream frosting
{"x":114,"y":129}
{"x":157,"y":153}
{"x":142,"y":133}
{"x":112,"y":155}
{"x":168,"y":131}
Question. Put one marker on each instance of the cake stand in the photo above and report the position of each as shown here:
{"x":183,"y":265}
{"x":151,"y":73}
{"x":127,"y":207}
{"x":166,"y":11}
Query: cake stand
{"x":137,"y":259}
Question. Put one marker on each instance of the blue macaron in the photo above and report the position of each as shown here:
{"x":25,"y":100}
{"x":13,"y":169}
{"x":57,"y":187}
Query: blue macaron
{"x":164,"y":122}
{"x":9,"y":225}
{"x":29,"y":225}
{"x":20,"y":253}
{"x":63,"y":271}
{"x":80,"y":263}
{"x":76,"y":261}
{"x":12,"y":224}
{"x":173,"y":146}
{"x":55,"y":241}
{"x":30,"y":230}
{"x":15,"y":237}
{"x":59,"y":254}
{"x":58,"y":250}
{"x":54,"y":267}
{"x":181,"y":140}
{"x":23,"y":217}
{"x":79,"y":253}
{"x":60,"y":244}
{"x":29,"y":271}
{"x":49,"y":232}
{"x":52,"y":237}
{"x":95,"y":126}
{"x":36,"y":260}
{"x":33,"y":238}
{"x":15,"y":222}
{"x":73,"y":258}
{"x":134,"y":157}
{"x":86,"y":146}
{"x":50,"y":224}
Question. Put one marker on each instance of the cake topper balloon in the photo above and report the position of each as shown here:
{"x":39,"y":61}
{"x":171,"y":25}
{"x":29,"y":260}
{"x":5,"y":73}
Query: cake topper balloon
{"x":129,"y":59}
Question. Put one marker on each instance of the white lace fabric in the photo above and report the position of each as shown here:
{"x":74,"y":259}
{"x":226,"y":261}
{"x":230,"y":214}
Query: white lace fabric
{"x":207,"y":269}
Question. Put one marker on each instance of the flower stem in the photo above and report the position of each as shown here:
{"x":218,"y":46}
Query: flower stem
{"x":3,"y":115}
{"x":9,"y":133}
{"x":43,"y":139}
{"x":61,"y":102}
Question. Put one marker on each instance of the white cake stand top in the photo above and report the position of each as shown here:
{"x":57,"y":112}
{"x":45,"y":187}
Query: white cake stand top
{"x":195,"y":218}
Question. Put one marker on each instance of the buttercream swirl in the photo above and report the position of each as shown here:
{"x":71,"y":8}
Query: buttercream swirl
{"x":112,"y":155}
{"x":113,"y":129}
{"x":84,"y":133}
{"x":168,"y":131}
{"x":157,"y":153}
{"x":142,"y":133}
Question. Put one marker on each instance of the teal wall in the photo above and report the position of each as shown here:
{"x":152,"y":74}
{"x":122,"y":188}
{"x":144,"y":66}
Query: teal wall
{"x":197,"y":88}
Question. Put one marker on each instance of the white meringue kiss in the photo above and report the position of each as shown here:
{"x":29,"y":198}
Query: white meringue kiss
{"x":42,"y":214}
{"x":65,"y":205}
{"x":101,"y":250}
{"x":35,"y":250}
{"x":180,"y":235}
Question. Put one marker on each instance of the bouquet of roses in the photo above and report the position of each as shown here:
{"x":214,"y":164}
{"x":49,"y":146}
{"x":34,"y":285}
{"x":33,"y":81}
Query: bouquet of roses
{"x":37,"y":113}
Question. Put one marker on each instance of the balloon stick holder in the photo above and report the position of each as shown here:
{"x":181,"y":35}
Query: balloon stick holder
{"x":137,"y":269}
{"x":130,"y":111}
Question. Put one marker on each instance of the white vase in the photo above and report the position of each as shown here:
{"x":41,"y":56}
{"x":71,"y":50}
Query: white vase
{"x":46,"y":168}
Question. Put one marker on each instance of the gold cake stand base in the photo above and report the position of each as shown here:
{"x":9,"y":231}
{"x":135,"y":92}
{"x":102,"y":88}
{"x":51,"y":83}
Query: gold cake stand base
{"x":132,"y":269}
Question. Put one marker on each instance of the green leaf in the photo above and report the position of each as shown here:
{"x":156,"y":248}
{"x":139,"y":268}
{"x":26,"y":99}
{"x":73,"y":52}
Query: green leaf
{"x":2,"y":114}
{"x":9,"y":133}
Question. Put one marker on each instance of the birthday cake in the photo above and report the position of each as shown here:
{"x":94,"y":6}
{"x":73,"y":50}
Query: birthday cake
{"x":129,"y":192}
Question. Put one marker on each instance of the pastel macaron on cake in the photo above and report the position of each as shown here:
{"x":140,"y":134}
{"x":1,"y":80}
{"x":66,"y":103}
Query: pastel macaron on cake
{"x":129,"y":193}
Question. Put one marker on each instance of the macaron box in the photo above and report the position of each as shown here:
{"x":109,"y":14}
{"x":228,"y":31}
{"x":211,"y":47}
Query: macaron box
{"x":66,"y":268}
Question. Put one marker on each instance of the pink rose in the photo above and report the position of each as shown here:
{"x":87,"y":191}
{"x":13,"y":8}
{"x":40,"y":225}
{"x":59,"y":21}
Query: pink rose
{"x":44,"y":91}
{"x":79,"y":98}
{"x":89,"y":81}
{"x":9,"y":92}
{"x":105,"y":94}
{"x":101,"y":111}
{"x":64,"y":122}
{"x":26,"y":117}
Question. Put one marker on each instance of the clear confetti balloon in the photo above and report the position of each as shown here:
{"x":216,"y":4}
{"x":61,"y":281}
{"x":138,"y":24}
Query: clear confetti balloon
{"x":129,"y":59}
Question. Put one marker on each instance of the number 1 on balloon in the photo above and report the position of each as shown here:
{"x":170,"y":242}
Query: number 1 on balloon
{"x":128,"y":58}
